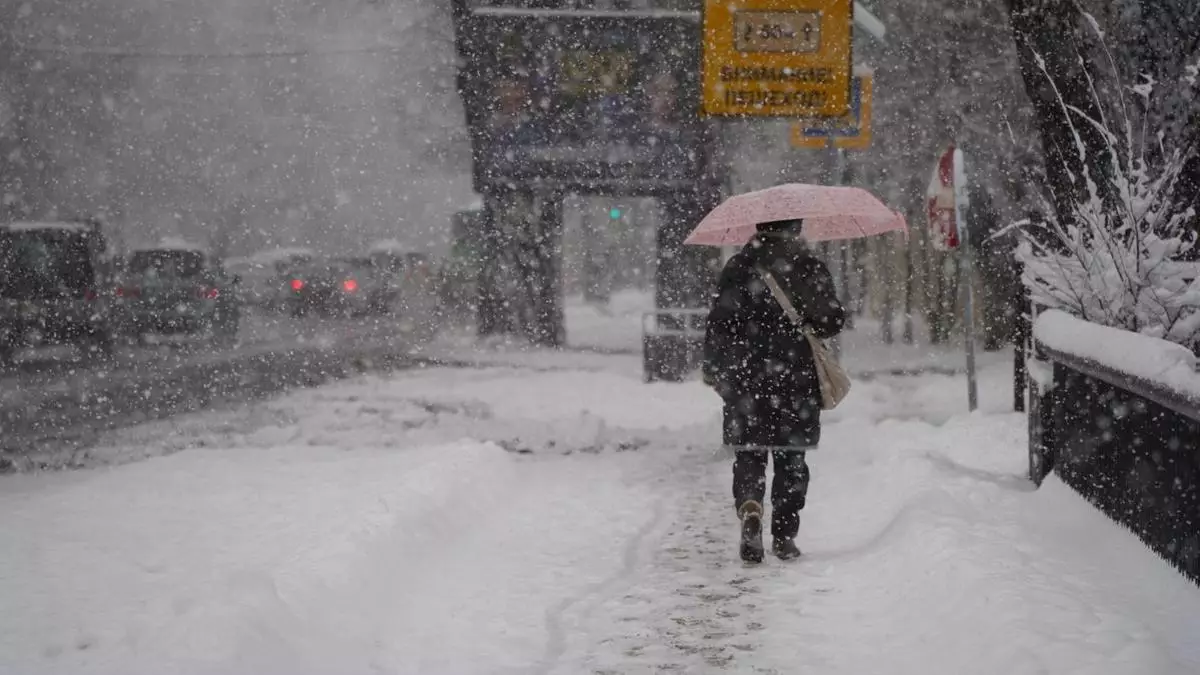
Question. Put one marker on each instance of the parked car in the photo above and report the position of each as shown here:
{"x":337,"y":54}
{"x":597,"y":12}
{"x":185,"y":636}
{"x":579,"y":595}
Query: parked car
{"x":339,"y":287}
{"x":52,"y":281}
{"x":388,"y":267}
{"x":177,"y":289}
{"x":283,"y":265}
{"x":402,"y":273}
{"x":257,"y":281}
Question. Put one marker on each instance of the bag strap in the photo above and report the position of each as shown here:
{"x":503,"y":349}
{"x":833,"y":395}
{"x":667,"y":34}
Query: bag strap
{"x":781,"y":297}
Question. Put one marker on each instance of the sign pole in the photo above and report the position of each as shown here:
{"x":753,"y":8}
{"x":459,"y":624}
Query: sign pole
{"x":961,"y":204}
{"x":836,"y":180}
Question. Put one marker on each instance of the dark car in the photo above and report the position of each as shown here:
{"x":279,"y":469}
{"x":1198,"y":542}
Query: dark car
{"x":53,"y":278}
{"x":177,"y":290}
{"x":340,"y":287}
{"x":400,"y":274}
{"x":282,"y":266}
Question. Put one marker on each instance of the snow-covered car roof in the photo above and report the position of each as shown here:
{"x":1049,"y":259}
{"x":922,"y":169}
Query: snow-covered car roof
{"x":171,"y":245}
{"x":280,"y":254}
{"x":245,"y":263}
{"x":34,"y":226}
{"x":389,"y":246}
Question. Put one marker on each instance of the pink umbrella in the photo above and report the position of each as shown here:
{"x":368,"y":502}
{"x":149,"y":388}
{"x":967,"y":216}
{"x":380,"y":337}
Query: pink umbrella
{"x":828,"y":213}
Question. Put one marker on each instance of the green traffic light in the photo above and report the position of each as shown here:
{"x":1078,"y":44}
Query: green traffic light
{"x":614,"y":213}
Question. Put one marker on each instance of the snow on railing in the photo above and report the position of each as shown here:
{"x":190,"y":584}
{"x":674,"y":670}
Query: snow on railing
{"x":1153,"y":361}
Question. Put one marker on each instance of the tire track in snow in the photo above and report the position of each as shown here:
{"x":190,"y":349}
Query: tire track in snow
{"x":556,"y":644}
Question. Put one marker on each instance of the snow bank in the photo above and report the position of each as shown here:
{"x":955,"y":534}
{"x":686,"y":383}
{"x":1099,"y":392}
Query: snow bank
{"x":165,"y":565}
{"x":338,"y":529}
{"x":930,"y":553}
{"x":475,"y":592}
{"x":1164,"y":363}
{"x":559,"y":411}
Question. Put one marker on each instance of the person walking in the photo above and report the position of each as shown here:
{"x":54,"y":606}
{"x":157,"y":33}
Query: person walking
{"x":762,"y":366}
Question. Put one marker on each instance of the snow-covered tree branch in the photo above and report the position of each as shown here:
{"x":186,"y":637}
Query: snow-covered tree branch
{"x":1124,"y":257}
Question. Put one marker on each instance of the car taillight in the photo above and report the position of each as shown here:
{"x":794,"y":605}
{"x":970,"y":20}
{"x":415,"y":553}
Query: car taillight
{"x":209,"y":293}
{"x":90,"y":294}
{"x":297,"y":284}
{"x":350,"y":285}
{"x":128,"y":292}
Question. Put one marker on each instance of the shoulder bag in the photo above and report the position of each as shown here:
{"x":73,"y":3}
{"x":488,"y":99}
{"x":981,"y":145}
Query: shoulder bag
{"x":835,"y":383}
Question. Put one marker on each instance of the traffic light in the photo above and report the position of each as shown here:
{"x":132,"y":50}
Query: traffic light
{"x":614,"y":213}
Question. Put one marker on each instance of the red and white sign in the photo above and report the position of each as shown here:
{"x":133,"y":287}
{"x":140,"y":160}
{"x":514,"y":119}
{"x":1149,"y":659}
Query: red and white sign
{"x":939,"y":202}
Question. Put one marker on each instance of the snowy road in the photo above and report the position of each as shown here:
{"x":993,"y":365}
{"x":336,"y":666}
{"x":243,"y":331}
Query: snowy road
{"x":53,"y":405}
{"x":569,"y":519}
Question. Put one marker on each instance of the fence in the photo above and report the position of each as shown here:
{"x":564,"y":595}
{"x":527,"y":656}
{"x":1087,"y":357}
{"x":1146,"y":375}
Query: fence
{"x":1129,"y":445}
{"x":672,"y":343}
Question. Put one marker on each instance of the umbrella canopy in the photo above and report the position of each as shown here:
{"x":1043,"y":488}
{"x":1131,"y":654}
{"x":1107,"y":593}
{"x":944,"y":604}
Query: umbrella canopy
{"x":828,"y":212}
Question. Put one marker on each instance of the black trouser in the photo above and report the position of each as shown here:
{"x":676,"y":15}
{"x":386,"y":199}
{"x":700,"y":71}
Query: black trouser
{"x":788,"y":489}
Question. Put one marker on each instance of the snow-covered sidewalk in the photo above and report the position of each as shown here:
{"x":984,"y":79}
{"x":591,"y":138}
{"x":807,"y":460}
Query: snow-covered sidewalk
{"x":570,"y":519}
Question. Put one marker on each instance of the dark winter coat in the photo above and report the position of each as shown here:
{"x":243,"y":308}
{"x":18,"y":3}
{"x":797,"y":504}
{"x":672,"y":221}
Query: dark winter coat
{"x":755,"y":358}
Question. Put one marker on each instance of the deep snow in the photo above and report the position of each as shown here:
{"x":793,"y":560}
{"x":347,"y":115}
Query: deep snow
{"x":550,"y":513}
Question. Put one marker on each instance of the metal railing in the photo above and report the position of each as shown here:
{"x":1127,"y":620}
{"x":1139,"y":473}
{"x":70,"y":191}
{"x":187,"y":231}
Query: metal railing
{"x":1129,"y":446}
{"x":672,"y":343}
{"x":679,"y":322}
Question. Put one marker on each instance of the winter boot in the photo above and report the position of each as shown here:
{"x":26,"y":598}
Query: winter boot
{"x":751,"y":513}
{"x":785,"y":548}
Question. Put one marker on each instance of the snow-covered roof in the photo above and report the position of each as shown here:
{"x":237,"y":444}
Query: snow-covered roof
{"x":35,"y":226}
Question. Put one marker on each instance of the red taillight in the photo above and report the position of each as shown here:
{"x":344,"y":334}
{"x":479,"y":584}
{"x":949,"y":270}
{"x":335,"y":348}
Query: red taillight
{"x":297,"y":284}
{"x":90,"y":294}
{"x":350,"y":285}
{"x":128,"y":292}
{"x":209,"y":293}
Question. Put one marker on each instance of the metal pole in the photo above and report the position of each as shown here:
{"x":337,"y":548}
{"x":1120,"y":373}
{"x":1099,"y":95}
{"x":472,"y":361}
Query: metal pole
{"x":910,"y":283}
{"x":961,"y":204}
{"x":889,"y":298}
{"x":836,"y":343}
{"x":847,"y":296}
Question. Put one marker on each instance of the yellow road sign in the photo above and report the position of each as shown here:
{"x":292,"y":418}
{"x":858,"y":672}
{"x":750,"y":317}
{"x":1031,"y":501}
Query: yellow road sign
{"x":777,"y":58}
{"x":851,"y":131}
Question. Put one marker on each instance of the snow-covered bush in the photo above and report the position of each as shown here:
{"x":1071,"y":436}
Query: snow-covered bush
{"x":1121,"y":266}
{"x":1123,"y":259}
